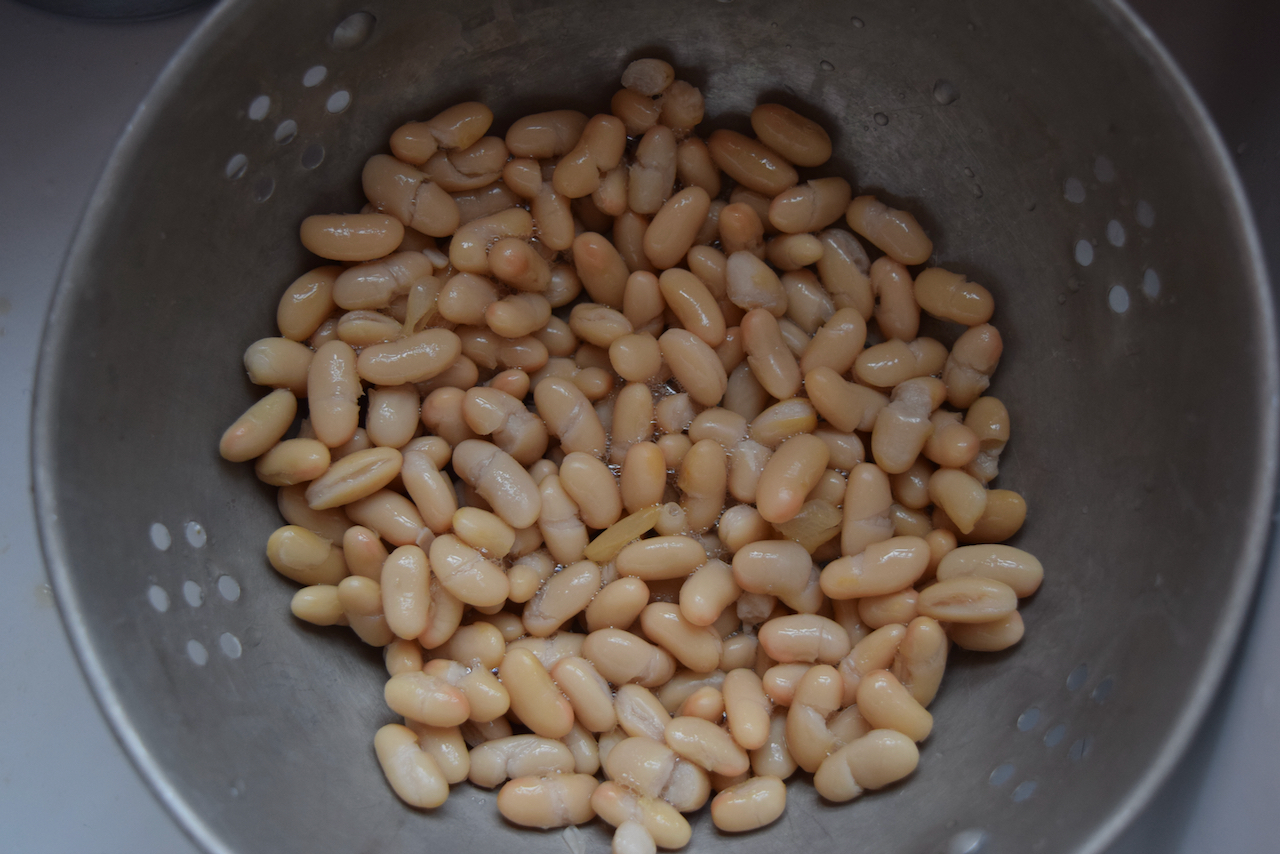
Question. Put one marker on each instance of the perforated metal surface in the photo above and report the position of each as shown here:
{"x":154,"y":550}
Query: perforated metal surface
{"x":1147,"y":467}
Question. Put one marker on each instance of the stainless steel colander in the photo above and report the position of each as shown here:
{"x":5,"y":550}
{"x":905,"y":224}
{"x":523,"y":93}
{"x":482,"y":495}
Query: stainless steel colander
{"x":1050,"y":150}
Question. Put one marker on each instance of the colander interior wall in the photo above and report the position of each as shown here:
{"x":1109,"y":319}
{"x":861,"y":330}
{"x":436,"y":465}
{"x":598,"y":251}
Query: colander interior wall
{"x":1073,"y":176}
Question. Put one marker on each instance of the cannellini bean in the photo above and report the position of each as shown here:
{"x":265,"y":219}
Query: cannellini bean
{"x":783,"y":420}
{"x":707,"y":592}
{"x":493,"y":412}
{"x":329,"y":524}
{"x":412,"y":359}
{"x":895,"y":232}
{"x":707,"y":745}
{"x":361,"y":600}
{"x":412,"y":773}
{"x":406,"y":595}
{"x":886,"y":704}
{"x":622,"y":657}
{"x":749,"y":805}
{"x":552,"y":800}
{"x":696,"y":647}
{"x":682,"y":106}
{"x":675,"y":226}
{"x":260,"y":427}
{"x":500,"y":480}
{"x":804,"y":637}
{"x":693,"y":304}
{"x":773,"y":759}
{"x":1015,"y":567}
{"x":796,"y":138}
{"x":873,"y":761}
{"x":1005,"y":513}
{"x":632,"y":838}
{"x":563,"y":595}
{"x":921,"y":659}
{"x":426,"y":698}
{"x":518,"y":756}
{"x":779,"y":568}
{"x":903,"y":427}
{"x":991,"y":636}
{"x":592,"y":486}
{"x":962,"y":497}
{"x":307,"y":303}
{"x":750,"y":162}
{"x":432,"y":491}
{"x":617,"y":605}
{"x":293,"y":461}
{"x":790,"y":474}
{"x":968,"y":599}
{"x":741,"y":230}
{"x":569,"y":416}
{"x":446,"y":746}
{"x":951,"y":445}
{"x":587,"y":692}
{"x":545,"y":135}
{"x":351,"y":237}
{"x":747,"y":708}
{"x":973,"y":360}
{"x":279,"y":363}
{"x":817,"y":697}
{"x":882,"y":567}
{"x":636,"y":357}
{"x":483,"y":531}
{"x":305,"y":557}
{"x":702,"y":482}
{"x":319,"y":605}
{"x":989,"y":420}
{"x":751,"y":284}
{"x":559,"y":521}
{"x":768,"y":356}
{"x":899,"y":607}
{"x":897,"y":313}
{"x":694,"y":166}
{"x":653,"y":172}
{"x":535,"y":700}
{"x":616,"y":804}
{"x":353,"y":477}
{"x":694,"y":365}
{"x":443,"y":616}
{"x":468,"y":575}
{"x":950,"y":296}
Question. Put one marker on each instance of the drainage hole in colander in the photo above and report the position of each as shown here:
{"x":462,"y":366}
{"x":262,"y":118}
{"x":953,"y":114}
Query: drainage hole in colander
{"x":1054,"y":736}
{"x":1080,"y":749}
{"x":1118,"y":299}
{"x":1024,"y":790}
{"x":229,"y":588}
{"x":230,"y":645}
{"x":1084,"y":253}
{"x":1073,"y":191}
{"x":1115,"y":233}
{"x":967,"y":841}
{"x":263,"y":187}
{"x":1150,"y":283}
{"x":236,"y":166}
{"x":196,"y":534}
{"x":158,"y":598}
{"x":197,"y":653}
{"x":1145,"y":214}
{"x":312,"y":156}
{"x":1001,"y":774}
{"x":160,"y":537}
{"x":314,"y":76}
{"x":193,"y":594}
{"x":1103,"y":691}
{"x":353,"y":31}
{"x":259,"y":107}
{"x":1028,"y":719}
{"x":1104,"y":170}
{"x":1077,"y":677}
{"x":338,"y":101}
{"x":286,"y":131}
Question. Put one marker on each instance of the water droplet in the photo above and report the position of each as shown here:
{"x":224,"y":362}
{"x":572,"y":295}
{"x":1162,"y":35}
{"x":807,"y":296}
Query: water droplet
{"x":977,"y":191}
{"x":1115,"y":233}
{"x":1073,"y":284}
{"x":1062,"y":299}
{"x":196,"y":535}
{"x":945,"y":92}
{"x":1118,"y":299}
{"x":1031,"y":205}
{"x":968,"y":173}
{"x":1073,"y":190}
{"x":1025,"y":790}
{"x":826,"y":66}
{"x":857,"y":22}
{"x":971,"y":26}
{"x":1001,"y":775}
{"x":1145,"y":214}
{"x":881,"y":119}
{"x":1104,"y":170}
{"x":1151,"y":283}
{"x":158,"y":598}
{"x":1084,"y":253}
{"x":197,"y":653}
{"x":160,"y":537}
{"x":1242,"y":148}
{"x":193,"y":594}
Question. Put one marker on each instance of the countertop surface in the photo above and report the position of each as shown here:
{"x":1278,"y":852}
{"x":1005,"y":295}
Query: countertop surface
{"x":67,"y":90}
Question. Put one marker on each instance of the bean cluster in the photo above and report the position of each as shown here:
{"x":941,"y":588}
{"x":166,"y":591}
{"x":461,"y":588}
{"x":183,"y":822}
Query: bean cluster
{"x":634,"y":461}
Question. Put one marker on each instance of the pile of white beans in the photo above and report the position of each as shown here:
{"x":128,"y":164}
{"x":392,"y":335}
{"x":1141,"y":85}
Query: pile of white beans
{"x":606,"y":504}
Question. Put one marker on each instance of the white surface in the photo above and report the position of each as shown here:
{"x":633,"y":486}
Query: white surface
{"x":67,"y":88}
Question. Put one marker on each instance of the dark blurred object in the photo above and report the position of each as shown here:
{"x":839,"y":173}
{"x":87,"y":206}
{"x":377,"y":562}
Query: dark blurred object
{"x":116,"y":10}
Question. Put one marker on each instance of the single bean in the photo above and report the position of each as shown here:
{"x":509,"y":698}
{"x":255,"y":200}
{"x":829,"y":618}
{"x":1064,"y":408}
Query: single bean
{"x":873,"y":761}
{"x":351,"y":237}
{"x":622,"y":657}
{"x":467,"y":574}
{"x":804,"y":637}
{"x":897,"y":313}
{"x":886,"y":704}
{"x":991,"y":636}
{"x":950,"y":296}
{"x":592,"y":486}
{"x":811,"y":206}
{"x":653,"y":172}
{"x":695,"y":365}
{"x":1015,"y":567}
{"x":750,"y":162}
{"x":636,"y":357}
{"x":545,"y":135}
{"x":306,"y":303}
{"x":305,"y":557}
{"x":750,"y":284}
{"x":617,"y":605}
{"x":617,"y":804}
{"x":260,"y":427}
{"x":405,"y":591}
{"x":973,"y":360}
{"x":500,"y":480}
{"x":319,"y":605}
{"x":968,"y":599}
{"x":293,"y":461}
{"x":412,"y":773}
{"x":552,"y":800}
{"x":882,"y":567}
{"x":768,"y":356}
{"x":674,"y":227}
{"x":292,"y":504}
{"x":693,"y":304}
{"x":895,"y":232}
{"x":696,"y":647}
{"x":535,"y":700}
{"x":694,"y":166}
{"x":702,"y":481}
{"x":659,"y":558}
{"x":565,"y":594}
